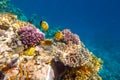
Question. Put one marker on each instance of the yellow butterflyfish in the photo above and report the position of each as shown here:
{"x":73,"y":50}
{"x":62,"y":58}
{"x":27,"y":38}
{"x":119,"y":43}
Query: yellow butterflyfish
{"x":44,"y":25}
{"x":58,"y":35}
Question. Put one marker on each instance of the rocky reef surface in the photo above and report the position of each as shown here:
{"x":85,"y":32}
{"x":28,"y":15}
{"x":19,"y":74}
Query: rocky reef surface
{"x":22,"y":57}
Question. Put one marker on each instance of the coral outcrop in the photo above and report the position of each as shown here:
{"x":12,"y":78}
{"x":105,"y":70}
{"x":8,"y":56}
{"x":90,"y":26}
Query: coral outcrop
{"x":67,"y":59}
{"x":68,"y":36}
{"x":30,"y":36}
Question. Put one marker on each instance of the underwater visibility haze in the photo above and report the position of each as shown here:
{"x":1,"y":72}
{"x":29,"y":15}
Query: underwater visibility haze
{"x":92,"y":26}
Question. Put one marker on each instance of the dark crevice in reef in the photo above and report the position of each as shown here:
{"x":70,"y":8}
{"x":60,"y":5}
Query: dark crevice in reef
{"x":59,"y":69}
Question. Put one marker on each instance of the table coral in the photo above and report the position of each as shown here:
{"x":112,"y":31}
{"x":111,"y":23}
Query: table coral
{"x":67,"y":59}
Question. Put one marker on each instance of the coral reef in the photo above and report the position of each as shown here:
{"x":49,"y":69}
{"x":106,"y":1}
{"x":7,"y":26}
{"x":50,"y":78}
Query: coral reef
{"x":30,"y":36}
{"x":67,"y":59}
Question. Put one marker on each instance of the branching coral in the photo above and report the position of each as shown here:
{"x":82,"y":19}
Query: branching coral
{"x":30,"y":36}
{"x":68,"y":36}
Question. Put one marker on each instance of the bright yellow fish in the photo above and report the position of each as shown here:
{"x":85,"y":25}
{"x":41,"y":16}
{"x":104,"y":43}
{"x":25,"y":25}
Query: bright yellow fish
{"x":46,"y":42}
{"x":44,"y":25}
{"x":58,"y":35}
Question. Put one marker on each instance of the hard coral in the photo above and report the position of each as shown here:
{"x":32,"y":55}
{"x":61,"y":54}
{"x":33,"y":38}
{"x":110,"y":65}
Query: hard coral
{"x":68,"y":36}
{"x":8,"y":20}
{"x":86,"y":72}
{"x":30,"y":36}
{"x":72,"y":55}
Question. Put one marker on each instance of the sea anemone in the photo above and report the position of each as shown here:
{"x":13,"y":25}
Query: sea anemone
{"x":30,"y":36}
{"x":68,"y":36}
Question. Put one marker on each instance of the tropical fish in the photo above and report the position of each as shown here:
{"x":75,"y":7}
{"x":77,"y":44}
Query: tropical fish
{"x":44,"y":25}
{"x":46,"y":42}
{"x":58,"y":35}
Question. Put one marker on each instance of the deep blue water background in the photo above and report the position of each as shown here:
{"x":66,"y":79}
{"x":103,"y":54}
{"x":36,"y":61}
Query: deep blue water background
{"x":97,"y":22}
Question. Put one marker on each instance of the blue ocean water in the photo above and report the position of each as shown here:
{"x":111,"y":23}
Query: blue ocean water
{"x":97,"y":22}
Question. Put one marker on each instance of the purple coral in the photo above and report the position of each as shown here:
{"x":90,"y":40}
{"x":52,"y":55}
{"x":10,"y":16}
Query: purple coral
{"x":68,"y":36}
{"x":30,"y":36}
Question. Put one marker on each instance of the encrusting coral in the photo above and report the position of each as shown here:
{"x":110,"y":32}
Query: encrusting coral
{"x":67,"y":59}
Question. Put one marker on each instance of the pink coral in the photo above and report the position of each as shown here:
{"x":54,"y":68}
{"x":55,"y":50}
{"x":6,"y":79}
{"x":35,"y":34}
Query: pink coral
{"x":68,"y":36}
{"x":30,"y":36}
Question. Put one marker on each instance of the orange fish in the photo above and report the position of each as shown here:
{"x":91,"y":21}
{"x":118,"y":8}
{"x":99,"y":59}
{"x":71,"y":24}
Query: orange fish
{"x":46,"y":42}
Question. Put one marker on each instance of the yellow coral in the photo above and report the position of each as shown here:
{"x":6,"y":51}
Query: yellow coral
{"x":30,"y":51}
